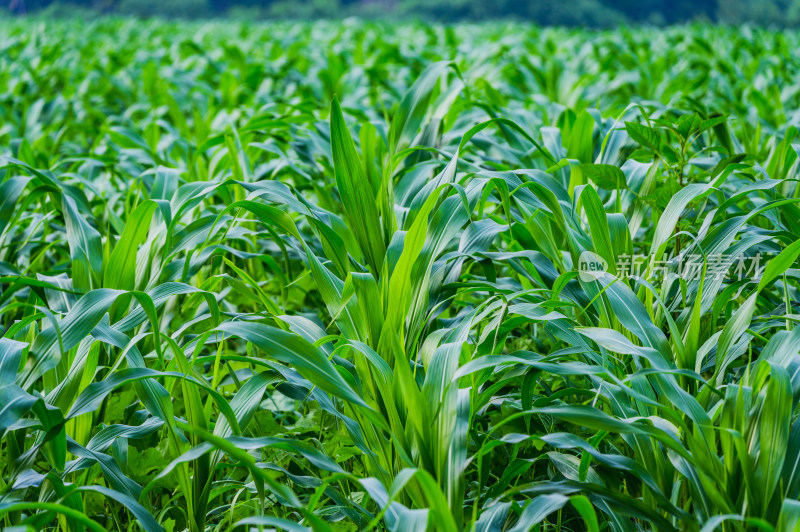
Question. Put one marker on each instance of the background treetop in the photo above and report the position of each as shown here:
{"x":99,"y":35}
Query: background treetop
{"x":588,"y":13}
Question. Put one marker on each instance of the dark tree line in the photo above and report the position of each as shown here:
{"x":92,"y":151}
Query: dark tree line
{"x":567,"y":12}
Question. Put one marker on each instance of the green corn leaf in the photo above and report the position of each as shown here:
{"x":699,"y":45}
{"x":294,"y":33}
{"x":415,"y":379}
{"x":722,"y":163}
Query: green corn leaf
{"x":355,"y":191}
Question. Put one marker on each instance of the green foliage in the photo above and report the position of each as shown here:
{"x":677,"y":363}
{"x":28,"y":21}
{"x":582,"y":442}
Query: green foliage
{"x":344,"y":276}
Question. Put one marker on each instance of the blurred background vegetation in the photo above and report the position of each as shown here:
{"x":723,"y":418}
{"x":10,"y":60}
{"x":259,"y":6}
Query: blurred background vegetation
{"x":589,"y":13}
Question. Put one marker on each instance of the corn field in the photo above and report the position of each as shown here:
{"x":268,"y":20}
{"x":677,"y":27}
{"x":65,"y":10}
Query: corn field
{"x":341,"y":276}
